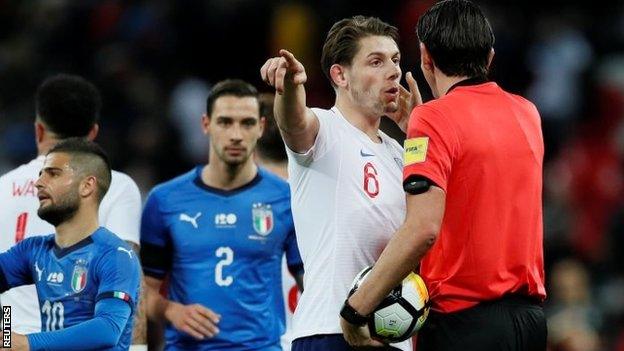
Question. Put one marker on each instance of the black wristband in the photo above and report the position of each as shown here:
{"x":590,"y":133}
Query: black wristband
{"x":351,"y":315}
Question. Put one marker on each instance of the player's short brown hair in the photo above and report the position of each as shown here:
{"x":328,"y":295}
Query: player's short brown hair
{"x":230,"y":87}
{"x":87,"y":158}
{"x":343,"y":40}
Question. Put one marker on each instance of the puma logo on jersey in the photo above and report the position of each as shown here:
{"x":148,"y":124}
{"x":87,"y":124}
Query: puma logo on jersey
{"x":193,"y":220}
{"x":129,"y":252}
{"x":39,"y":271}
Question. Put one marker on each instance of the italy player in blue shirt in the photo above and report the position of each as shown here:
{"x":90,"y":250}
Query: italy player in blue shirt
{"x":87,"y":279}
{"x":219,"y":233}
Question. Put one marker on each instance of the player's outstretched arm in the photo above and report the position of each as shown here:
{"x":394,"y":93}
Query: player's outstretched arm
{"x":195,"y":320}
{"x":297,"y":123}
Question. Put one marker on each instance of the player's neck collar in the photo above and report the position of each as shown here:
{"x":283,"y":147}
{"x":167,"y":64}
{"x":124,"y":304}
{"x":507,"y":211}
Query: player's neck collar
{"x":61,"y":252}
{"x":466,"y":82}
{"x":200,"y":183}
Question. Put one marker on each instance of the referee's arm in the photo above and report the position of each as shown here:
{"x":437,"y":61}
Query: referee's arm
{"x":404,"y":251}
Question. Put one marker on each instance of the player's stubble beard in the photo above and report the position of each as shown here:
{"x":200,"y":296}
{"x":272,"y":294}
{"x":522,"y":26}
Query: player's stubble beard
{"x":234,"y":165}
{"x":378,"y":107}
{"x":62,"y":211}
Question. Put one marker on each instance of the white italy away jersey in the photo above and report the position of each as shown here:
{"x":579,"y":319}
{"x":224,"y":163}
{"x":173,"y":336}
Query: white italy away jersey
{"x":347,"y":201}
{"x":120,"y":212}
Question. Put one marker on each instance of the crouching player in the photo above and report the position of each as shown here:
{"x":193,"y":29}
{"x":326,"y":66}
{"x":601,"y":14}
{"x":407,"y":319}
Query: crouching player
{"x":87,"y":279}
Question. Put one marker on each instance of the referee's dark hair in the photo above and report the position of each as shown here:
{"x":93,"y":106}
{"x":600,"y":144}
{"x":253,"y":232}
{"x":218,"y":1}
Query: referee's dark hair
{"x":458,"y":37}
{"x":230,"y":87}
{"x":68,"y":105}
{"x":87,"y":158}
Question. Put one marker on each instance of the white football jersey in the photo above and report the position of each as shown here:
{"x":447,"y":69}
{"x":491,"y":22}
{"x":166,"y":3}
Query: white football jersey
{"x":347,"y":202}
{"x":120,"y":212}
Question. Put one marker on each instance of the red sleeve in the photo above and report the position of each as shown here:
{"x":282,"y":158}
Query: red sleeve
{"x":430,"y":147}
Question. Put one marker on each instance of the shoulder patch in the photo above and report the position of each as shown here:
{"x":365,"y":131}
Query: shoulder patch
{"x":415,"y":150}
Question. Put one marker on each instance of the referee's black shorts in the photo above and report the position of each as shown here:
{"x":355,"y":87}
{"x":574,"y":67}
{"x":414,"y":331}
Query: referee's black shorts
{"x":512,"y":323}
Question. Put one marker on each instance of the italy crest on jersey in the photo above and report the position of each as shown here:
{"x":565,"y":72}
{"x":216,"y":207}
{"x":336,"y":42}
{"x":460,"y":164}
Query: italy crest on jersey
{"x":262,"y":218}
{"x":79,"y":276}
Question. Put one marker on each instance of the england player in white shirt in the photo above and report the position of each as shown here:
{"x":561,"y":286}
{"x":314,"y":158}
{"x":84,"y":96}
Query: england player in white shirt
{"x":66,"y":106}
{"x":345,"y":174}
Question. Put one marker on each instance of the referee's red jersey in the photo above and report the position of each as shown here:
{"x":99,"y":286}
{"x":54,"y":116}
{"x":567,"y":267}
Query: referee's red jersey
{"x":484,"y":148}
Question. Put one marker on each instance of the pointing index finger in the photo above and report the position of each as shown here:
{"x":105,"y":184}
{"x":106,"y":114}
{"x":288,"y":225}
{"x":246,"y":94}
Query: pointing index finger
{"x":290,"y":58}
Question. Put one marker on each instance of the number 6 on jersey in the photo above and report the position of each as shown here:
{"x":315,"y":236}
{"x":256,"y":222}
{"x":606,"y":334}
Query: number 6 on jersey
{"x":371,"y":183}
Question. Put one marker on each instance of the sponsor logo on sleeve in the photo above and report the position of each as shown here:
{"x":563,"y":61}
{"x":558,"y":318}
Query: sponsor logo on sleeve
{"x":415,"y":150}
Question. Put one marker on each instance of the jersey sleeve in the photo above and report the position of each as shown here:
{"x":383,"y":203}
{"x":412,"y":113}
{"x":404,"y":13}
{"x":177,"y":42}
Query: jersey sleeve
{"x":323,"y":142}
{"x":155,"y":240}
{"x":15,"y":267}
{"x":118,"y":273}
{"x":121,"y":208}
{"x":293,"y":258}
{"x":430,"y":147}
{"x":101,"y":332}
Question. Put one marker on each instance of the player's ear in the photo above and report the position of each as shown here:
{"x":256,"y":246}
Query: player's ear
{"x":93,"y":132}
{"x":88,"y":186}
{"x":40,"y":131}
{"x":262,"y":124}
{"x":338,"y":75}
{"x":426,"y":61}
{"x":205,"y":122}
{"x":490,"y":58}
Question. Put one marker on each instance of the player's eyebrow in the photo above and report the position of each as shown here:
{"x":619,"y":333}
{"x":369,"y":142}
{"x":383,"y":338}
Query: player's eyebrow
{"x":380,"y":53}
{"x":253,"y":120}
{"x":49,"y":169}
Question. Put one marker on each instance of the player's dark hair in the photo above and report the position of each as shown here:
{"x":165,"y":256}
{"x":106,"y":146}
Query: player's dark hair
{"x":87,"y":158}
{"x":343,"y":40}
{"x":458,"y":37}
{"x":68,"y":105}
{"x":270,"y":145}
{"x":230,"y":87}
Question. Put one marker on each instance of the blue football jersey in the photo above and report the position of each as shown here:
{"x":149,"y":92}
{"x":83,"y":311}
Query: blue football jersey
{"x":223,"y":249}
{"x":71,"y":280}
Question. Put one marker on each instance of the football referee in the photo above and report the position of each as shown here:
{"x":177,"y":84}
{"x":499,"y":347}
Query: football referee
{"x":473,"y":179}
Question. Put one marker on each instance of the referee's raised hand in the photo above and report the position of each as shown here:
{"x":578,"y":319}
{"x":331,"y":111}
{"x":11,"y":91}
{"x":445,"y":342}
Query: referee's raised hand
{"x":282,"y":71}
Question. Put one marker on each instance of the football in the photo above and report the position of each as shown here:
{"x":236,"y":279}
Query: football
{"x":400,"y":314}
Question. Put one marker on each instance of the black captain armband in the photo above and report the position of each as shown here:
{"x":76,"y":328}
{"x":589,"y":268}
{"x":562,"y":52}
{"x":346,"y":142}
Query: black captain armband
{"x":416,"y":184}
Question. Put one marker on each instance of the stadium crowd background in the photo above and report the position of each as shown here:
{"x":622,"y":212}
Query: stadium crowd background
{"x":154,"y":62}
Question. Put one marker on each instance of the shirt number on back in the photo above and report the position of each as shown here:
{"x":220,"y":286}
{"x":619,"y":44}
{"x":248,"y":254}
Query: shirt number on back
{"x":227,"y":257}
{"x":54,"y":315}
{"x":371,"y":184}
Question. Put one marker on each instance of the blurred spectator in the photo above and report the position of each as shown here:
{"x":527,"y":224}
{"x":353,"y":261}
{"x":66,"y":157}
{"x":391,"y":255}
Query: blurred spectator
{"x":573,"y":321}
{"x":187,"y":105}
{"x":558,"y":59}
